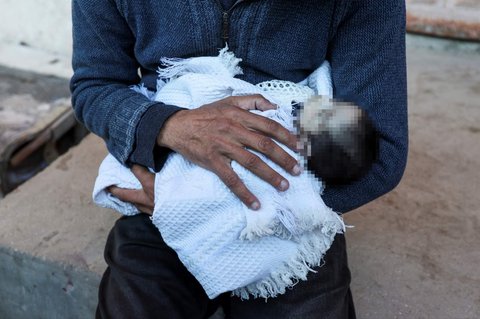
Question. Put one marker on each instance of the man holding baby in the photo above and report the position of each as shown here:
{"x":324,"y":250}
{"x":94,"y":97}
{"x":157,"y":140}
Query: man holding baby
{"x":116,"y":40}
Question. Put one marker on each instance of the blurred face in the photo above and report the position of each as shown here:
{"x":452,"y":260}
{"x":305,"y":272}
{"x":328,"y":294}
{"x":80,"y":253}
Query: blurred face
{"x":320,"y":115}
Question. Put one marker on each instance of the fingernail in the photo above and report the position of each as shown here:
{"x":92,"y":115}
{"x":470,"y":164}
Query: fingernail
{"x":255,"y":206}
{"x":297,"y":169}
{"x":283,"y":185}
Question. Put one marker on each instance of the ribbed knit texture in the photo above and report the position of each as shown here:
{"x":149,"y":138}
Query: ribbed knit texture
{"x":287,"y":40}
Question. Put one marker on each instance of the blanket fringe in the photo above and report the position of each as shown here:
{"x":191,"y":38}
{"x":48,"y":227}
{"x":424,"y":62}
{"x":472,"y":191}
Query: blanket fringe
{"x":312,"y":249}
{"x":286,"y":225}
{"x":225,"y":64}
{"x":142,"y":89}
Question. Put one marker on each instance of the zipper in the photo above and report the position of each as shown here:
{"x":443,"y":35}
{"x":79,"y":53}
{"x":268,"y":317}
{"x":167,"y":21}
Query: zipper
{"x":226,"y":20}
{"x":225,"y":26}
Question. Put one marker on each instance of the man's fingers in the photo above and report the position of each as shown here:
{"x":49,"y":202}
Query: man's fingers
{"x":146,"y":178}
{"x":134,"y":196}
{"x":252,"y":102}
{"x":269,"y":148}
{"x":258,"y":167}
{"x":141,"y":173}
{"x":235,"y":184}
{"x":270,"y":128}
{"x":137,"y":197}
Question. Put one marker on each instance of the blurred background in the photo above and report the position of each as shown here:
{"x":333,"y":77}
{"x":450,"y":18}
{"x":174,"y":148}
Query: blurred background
{"x":414,"y":253}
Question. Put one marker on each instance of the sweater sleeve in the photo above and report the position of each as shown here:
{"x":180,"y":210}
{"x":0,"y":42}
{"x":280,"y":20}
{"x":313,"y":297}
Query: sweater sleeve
{"x":105,"y":67}
{"x":367,"y":54}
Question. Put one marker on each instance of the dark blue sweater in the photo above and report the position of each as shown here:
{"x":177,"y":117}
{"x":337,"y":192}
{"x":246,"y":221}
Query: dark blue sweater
{"x":277,"y":39}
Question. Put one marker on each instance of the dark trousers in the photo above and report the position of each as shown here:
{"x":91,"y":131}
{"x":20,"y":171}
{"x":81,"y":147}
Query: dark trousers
{"x":145,"y":279}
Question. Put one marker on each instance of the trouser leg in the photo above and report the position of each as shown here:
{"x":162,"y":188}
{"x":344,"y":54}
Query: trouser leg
{"x":145,"y":279}
{"x":325,"y":295}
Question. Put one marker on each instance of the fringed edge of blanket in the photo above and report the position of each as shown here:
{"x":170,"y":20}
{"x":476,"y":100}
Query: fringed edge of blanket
{"x":226,"y":63}
{"x":312,"y":248}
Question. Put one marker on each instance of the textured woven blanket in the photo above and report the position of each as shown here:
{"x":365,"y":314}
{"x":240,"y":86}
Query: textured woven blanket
{"x":224,"y":244}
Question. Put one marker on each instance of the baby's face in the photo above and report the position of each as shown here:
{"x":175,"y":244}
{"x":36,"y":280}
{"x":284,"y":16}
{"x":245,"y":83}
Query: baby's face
{"x":336,"y":139}
{"x":323,"y":114}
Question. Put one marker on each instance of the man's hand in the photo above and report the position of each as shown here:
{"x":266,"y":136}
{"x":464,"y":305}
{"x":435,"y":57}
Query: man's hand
{"x":215,"y":134}
{"x":144,"y":198}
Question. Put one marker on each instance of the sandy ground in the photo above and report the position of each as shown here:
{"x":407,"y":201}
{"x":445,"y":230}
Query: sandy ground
{"x":415,"y":253}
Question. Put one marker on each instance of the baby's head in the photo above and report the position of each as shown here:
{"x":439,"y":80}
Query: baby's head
{"x":338,"y":140}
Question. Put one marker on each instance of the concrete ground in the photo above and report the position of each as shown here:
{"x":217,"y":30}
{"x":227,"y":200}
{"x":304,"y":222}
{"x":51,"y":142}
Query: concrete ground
{"x":413,"y":253}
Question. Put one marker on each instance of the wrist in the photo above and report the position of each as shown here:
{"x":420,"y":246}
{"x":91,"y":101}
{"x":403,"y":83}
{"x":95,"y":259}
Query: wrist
{"x":167,"y":136}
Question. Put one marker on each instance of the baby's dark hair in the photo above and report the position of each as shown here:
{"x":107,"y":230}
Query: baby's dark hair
{"x":339,"y":151}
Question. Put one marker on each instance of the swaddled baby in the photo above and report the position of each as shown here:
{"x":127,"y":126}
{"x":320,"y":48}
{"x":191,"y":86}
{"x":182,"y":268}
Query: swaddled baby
{"x":225,"y":245}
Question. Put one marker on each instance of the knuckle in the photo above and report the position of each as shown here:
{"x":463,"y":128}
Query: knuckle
{"x":265,"y":144}
{"x":228,"y":99}
{"x":210,"y":156}
{"x":273,"y":126}
{"x":207,"y":109}
{"x":251,"y":161}
{"x":258,"y":96}
{"x":230,"y":109}
{"x":227,"y":106}
{"x":210,"y":160}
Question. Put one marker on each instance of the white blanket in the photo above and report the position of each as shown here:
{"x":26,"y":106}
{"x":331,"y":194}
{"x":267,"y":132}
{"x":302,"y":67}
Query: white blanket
{"x":225,"y":245}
